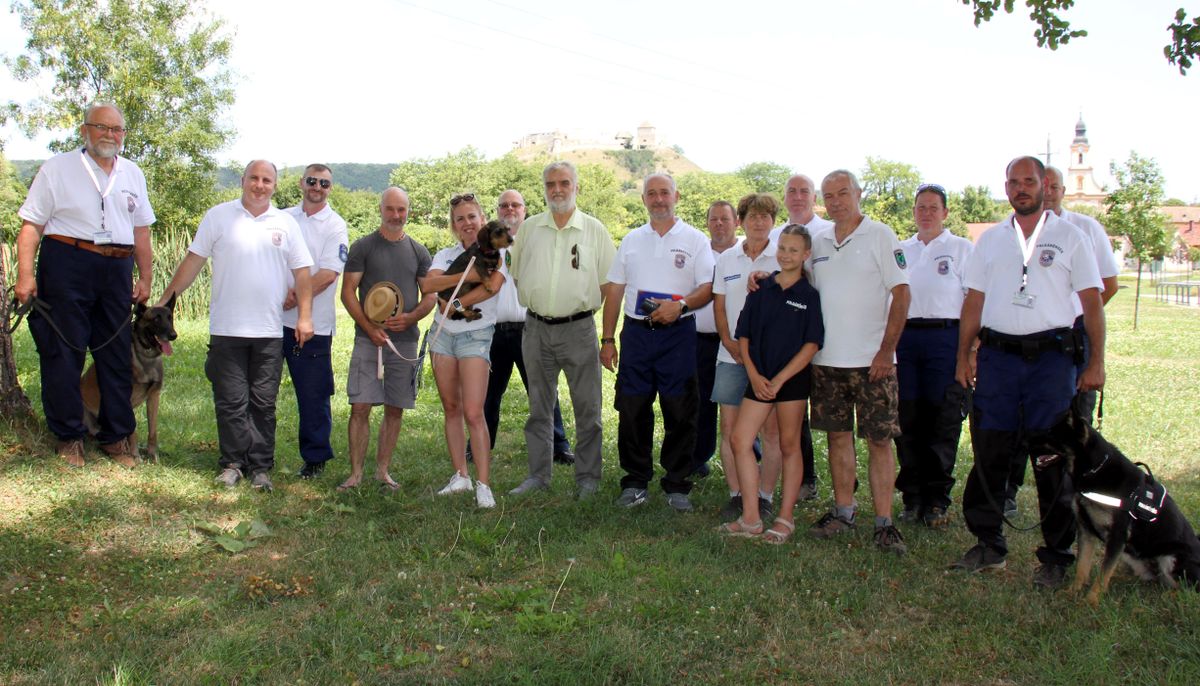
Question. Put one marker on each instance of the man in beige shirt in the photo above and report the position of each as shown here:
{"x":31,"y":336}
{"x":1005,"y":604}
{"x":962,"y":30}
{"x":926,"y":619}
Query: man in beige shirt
{"x":559,"y":263}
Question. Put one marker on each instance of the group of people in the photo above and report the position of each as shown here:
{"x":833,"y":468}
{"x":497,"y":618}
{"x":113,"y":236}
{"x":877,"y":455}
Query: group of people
{"x":896,"y":341}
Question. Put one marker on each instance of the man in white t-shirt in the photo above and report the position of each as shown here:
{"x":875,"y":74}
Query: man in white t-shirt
{"x":859,"y":270}
{"x":663,"y":269}
{"x":799,"y":197}
{"x":89,"y":212}
{"x":253,"y":246}
{"x":311,"y":368}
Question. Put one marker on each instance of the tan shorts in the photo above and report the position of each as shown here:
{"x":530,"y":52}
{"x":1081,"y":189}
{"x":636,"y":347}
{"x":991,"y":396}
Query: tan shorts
{"x":839,"y":395}
{"x":398,"y":388}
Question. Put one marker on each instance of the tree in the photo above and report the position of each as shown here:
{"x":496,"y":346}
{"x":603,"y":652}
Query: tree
{"x":13,"y":402}
{"x":162,"y":62}
{"x":888,"y":191}
{"x":1052,"y":30}
{"x":1133,"y":213}
{"x":698,"y":190}
{"x":979,"y":206}
{"x":765,"y":177}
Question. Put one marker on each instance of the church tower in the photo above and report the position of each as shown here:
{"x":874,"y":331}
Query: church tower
{"x":1080,"y":183}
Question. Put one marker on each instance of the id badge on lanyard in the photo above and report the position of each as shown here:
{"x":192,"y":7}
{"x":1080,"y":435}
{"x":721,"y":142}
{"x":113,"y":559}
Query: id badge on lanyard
{"x":103,"y":236}
{"x":1022,"y":298}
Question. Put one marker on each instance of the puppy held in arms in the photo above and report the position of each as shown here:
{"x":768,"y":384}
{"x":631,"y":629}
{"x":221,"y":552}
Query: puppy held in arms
{"x":486,"y":251}
{"x":1119,"y":504}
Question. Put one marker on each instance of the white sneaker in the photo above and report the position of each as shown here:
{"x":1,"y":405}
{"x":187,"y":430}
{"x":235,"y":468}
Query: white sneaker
{"x":483,"y":495}
{"x":458,"y":484}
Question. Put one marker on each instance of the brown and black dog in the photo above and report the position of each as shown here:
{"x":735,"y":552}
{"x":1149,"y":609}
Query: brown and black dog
{"x":153,"y":329}
{"x":1122,"y":507}
{"x":486,"y":251}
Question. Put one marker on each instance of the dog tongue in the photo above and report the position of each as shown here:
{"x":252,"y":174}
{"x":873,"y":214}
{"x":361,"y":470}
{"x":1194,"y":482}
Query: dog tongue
{"x":166,"y":347}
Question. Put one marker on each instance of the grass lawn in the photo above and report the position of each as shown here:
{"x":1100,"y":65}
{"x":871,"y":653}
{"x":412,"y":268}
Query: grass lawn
{"x":113,"y":576}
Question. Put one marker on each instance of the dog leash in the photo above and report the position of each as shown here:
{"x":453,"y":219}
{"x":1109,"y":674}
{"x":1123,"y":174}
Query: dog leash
{"x":445,"y":314}
{"x":43,"y":308}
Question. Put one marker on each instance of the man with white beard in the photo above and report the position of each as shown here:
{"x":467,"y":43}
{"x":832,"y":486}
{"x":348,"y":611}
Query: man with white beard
{"x":89,"y":211}
{"x":559,"y":262}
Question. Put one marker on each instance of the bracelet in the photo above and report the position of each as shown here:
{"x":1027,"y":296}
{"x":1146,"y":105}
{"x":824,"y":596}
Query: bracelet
{"x":608,"y":341}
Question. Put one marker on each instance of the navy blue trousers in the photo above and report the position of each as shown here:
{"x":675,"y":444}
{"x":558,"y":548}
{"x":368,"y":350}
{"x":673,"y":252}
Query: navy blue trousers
{"x":311,"y":369}
{"x":89,"y":296}
{"x":506,"y":354}
{"x":657,"y":362}
{"x":930,"y":423}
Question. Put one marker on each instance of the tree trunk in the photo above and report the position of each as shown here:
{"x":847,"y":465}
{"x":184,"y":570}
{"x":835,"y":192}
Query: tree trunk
{"x":13,"y":403}
{"x":1137,"y":294}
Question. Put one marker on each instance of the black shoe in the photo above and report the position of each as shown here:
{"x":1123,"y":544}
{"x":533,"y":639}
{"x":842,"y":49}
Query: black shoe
{"x":564,"y":457}
{"x":765,"y":511}
{"x":1049,"y":575}
{"x":311,"y":470}
{"x":1010,"y":508}
{"x":732,"y":509}
{"x":702,"y":470}
{"x":470,"y":455}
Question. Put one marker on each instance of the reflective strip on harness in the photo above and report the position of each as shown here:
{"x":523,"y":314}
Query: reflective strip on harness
{"x":1102,"y":499}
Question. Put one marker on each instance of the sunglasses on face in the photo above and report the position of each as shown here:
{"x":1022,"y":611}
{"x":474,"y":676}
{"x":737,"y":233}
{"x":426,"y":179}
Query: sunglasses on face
{"x":312,"y":181}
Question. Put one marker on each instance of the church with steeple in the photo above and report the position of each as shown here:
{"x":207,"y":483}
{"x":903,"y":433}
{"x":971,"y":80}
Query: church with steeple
{"x":1080,"y":183}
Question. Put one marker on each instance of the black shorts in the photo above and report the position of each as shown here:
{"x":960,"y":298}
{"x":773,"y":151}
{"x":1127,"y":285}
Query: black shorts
{"x":799,"y":387}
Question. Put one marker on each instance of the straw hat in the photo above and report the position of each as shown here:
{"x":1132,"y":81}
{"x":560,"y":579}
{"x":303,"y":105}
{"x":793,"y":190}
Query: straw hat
{"x":383,"y":300}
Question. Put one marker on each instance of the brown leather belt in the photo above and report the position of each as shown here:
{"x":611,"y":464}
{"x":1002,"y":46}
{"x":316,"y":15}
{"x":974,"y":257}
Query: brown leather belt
{"x":113,"y":250}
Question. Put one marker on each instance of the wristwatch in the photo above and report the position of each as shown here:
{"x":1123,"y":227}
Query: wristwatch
{"x":683,"y":308}
{"x":456,"y":305}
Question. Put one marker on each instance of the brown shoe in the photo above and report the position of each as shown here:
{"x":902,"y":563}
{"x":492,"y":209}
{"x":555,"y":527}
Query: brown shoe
{"x":119,"y":452}
{"x":72,"y":452}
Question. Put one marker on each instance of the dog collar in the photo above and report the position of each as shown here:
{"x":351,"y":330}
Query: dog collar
{"x":1095,"y":469}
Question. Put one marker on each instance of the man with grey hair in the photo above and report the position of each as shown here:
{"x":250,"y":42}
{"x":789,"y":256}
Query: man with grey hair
{"x":506,"y":340}
{"x":559,"y":262}
{"x":859,"y":269}
{"x":664,"y":270}
{"x":89,"y":212}
{"x":253,"y":246}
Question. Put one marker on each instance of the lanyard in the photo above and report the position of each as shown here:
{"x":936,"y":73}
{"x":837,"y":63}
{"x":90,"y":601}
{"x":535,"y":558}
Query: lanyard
{"x":112,"y":179}
{"x":1027,"y":246}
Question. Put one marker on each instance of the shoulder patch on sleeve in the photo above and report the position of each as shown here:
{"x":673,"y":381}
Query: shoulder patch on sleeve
{"x":900,"y":261}
{"x":343,"y":252}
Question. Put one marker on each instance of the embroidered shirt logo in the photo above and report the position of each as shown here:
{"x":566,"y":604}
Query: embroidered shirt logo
{"x":277,"y":238}
{"x":1047,"y":258}
{"x":798,"y":306}
{"x":944,"y":267}
{"x":900,"y":261}
{"x":680,"y":260}
{"x":343,"y":252}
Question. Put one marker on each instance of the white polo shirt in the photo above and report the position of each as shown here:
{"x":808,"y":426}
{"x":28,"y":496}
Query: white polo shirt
{"x":668,"y":266}
{"x":730,"y":278}
{"x":855,"y":279}
{"x":508,"y":305}
{"x":705,"y":317}
{"x":935,"y":275}
{"x":251,"y":258}
{"x":329,"y":245}
{"x":1062,"y":264}
{"x":442,"y":261}
{"x":1106,"y":259}
{"x":64,"y":199}
{"x":817,"y":225}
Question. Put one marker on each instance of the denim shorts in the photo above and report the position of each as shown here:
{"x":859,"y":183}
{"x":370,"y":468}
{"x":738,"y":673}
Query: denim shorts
{"x":729,"y":384}
{"x":473,"y":343}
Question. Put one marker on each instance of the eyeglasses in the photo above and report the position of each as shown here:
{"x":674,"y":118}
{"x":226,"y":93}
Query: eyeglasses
{"x":312,"y":181}
{"x":510,"y":205}
{"x":575,"y":256}
{"x":114,"y":130}
{"x":465,"y":197}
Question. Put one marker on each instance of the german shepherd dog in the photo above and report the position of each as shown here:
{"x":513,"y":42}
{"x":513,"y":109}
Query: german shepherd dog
{"x":153,"y":331}
{"x":486,"y":251}
{"x":1120,"y":504}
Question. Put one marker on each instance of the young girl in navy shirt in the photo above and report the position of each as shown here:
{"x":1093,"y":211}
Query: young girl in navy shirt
{"x":779,"y":331}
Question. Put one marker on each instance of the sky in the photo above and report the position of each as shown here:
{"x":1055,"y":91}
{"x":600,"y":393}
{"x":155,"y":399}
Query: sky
{"x":813,"y":86}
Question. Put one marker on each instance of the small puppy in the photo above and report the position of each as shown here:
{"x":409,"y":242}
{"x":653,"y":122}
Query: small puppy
{"x":486,"y":251}
{"x":1123,"y":507}
{"x":153,"y":331}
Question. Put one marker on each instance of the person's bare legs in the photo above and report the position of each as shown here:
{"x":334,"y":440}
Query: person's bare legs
{"x":750,"y":418}
{"x":790,"y":416}
{"x":881,"y":469}
{"x":389,"y":432}
{"x":729,"y":415}
{"x":842,"y":467}
{"x":358,"y":435}
{"x":473,"y":379}
{"x":772,"y":458}
{"x":446,"y":373}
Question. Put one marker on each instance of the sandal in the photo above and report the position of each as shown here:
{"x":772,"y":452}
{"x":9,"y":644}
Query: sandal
{"x":347,"y":486}
{"x":388,"y":485}
{"x":740,"y":529}
{"x":776,"y":535}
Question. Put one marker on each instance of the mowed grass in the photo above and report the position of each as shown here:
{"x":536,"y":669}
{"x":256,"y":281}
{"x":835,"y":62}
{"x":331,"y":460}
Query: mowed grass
{"x":105,"y":577}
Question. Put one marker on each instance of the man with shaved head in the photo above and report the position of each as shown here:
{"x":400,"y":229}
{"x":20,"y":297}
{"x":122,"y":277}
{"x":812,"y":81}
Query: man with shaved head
{"x":389,"y":254}
{"x":253,"y":247}
{"x":89,"y":212}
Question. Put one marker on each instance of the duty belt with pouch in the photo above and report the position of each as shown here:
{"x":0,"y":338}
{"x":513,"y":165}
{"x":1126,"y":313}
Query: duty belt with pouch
{"x":1031,"y":346}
